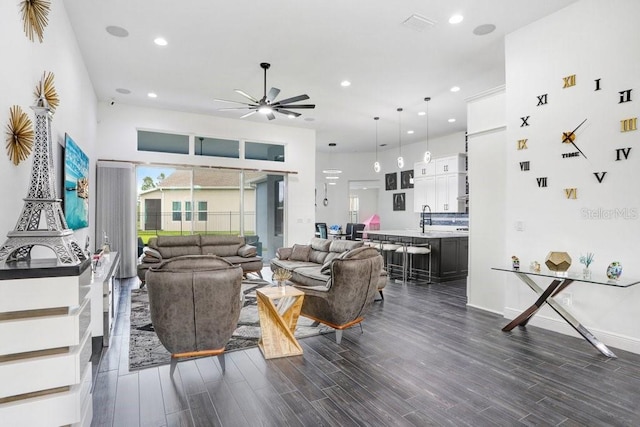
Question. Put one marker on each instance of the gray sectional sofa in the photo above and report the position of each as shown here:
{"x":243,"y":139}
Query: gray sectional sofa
{"x":231,"y":248}
{"x":310,"y":265}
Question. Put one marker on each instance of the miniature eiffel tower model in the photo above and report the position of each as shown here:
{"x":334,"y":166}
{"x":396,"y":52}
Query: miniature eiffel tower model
{"x":42,"y":199}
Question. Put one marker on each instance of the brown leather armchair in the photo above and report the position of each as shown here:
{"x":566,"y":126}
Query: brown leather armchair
{"x":195,"y":304}
{"x":354,"y":283}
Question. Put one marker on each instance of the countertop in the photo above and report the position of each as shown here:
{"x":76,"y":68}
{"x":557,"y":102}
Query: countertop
{"x":428,"y":234}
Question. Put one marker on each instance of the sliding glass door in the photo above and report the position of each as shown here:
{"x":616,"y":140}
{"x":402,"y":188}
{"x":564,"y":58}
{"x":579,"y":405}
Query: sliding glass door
{"x":175,"y":201}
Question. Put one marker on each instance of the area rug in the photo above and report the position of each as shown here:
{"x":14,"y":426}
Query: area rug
{"x":145,"y":349}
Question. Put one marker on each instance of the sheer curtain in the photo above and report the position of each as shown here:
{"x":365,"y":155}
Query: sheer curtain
{"x":116,"y":212}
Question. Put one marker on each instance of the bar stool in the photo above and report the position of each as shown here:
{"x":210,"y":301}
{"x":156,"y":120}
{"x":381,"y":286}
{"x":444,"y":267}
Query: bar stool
{"x":409,"y":252}
{"x":387,"y":249}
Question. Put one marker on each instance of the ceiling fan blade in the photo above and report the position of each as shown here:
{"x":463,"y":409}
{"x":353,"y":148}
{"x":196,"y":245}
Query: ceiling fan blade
{"x":270,"y":116}
{"x":273,"y":92}
{"x":235,"y":108}
{"x":246,"y":95}
{"x":294,"y":99}
{"x":296,"y":106}
{"x":248,"y":114}
{"x":287,"y":112}
{"x":229,"y":102}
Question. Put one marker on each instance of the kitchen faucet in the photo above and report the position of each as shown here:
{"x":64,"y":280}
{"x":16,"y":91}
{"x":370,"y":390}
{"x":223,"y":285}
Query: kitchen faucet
{"x":424,"y":207}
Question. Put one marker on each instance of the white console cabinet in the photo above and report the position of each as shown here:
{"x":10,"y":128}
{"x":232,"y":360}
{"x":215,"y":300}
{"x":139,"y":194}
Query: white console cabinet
{"x":45,"y":351}
{"x":105,"y":294}
{"x":439,"y":184}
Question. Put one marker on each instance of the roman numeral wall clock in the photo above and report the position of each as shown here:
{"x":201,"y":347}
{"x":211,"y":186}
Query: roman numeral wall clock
{"x":579,"y":103}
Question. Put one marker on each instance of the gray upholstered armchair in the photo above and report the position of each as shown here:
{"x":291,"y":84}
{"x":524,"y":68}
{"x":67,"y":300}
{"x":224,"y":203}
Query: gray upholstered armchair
{"x":354,"y":283}
{"x":195,"y":304}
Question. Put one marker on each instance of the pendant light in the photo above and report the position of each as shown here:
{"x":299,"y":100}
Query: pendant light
{"x":400,"y":158}
{"x":376,"y":165}
{"x":427,"y":153}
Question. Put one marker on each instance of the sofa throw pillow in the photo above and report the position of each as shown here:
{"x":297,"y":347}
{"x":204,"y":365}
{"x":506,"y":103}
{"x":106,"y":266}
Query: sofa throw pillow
{"x":247,"y":251}
{"x":283,"y":253}
{"x":151,"y":253}
{"x":300,"y":253}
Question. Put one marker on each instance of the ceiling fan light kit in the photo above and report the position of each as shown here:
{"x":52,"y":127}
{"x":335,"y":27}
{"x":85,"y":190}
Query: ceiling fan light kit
{"x":267,"y":105}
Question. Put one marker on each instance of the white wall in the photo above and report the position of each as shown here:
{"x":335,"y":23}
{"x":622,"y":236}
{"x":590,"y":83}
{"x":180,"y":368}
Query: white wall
{"x":359,"y":167}
{"x":118,"y":126}
{"x":591,"y":39}
{"x":487,"y":197}
{"x":23,"y":64}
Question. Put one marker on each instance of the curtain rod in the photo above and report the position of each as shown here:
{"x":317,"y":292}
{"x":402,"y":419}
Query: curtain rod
{"x":178,"y":165}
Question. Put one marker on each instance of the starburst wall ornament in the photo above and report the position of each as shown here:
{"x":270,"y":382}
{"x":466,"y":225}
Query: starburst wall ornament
{"x":46,"y":90}
{"x":19,"y":135}
{"x":35,"y":17}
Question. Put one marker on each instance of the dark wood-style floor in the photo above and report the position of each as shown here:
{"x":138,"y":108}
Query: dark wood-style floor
{"x":424,"y":359}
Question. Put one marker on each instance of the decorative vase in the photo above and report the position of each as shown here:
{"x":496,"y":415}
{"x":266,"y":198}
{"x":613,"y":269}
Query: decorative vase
{"x":586,"y":273}
{"x":614,"y":271}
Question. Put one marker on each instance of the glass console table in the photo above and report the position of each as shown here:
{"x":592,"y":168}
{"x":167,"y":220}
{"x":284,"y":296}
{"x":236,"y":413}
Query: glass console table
{"x":559,"y":282}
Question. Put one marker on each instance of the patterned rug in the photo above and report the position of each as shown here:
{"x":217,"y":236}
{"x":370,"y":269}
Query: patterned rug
{"x":145,"y":349}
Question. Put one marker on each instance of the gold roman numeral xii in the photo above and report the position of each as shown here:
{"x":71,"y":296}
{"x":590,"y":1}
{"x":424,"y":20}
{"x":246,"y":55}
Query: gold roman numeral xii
{"x":569,"y":81}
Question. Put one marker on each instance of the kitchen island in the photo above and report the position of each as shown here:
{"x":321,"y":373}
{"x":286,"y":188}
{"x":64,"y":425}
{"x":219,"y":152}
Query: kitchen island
{"x":449,"y":250}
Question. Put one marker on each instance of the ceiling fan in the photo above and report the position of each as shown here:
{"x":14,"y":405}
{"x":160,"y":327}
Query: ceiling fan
{"x":266,"y":104}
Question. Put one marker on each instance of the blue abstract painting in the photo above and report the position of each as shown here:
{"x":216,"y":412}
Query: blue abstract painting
{"x":76,"y":185}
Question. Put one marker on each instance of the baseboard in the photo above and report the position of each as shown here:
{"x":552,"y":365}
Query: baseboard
{"x":558,"y":325}
{"x":477,"y":307}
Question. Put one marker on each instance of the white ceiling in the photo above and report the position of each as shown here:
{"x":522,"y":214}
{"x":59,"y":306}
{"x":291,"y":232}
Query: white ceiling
{"x":216,"y":46}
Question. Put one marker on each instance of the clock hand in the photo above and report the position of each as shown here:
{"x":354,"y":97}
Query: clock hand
{"x":570,"y":136}
{"x":574,"y":144}
{"x":578,"y":127}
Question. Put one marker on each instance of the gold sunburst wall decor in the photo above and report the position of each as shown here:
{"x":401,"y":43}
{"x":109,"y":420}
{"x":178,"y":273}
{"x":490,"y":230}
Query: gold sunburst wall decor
{"x":50,"y":94}
{"x":19,"y":135}
{"x":35,"y":17}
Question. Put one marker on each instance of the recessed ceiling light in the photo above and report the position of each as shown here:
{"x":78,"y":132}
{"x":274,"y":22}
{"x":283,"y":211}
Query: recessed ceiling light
{"x":332,"y":171}
{"x":422,"y":113}
{"x":345,"y":83}
{"x":160,"y":41}
{"x":455,"y":89}
{"x":152,"y":95}
{"x":332,"y":177}
{"x":451,"y":120}
{"x":116,"y":31}
{"x":123,"y":91}
{"x":332,"y":183}
{"x":456,"y":19}
{"x":483,"y":30}
{"x":410,"y":132}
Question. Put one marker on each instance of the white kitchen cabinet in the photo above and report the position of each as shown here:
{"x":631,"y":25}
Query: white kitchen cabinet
{"x":424,"y":193}
{"x":450,"y":164}
{"x":422,"y":170}
{"x":439,"y":184}
{"x":448,"y":188}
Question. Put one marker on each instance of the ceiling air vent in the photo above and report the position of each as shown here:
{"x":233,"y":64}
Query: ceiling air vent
{"x":418,"y":23}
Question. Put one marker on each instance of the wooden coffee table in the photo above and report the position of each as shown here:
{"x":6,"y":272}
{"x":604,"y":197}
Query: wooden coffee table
{"x":279,"y":309}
